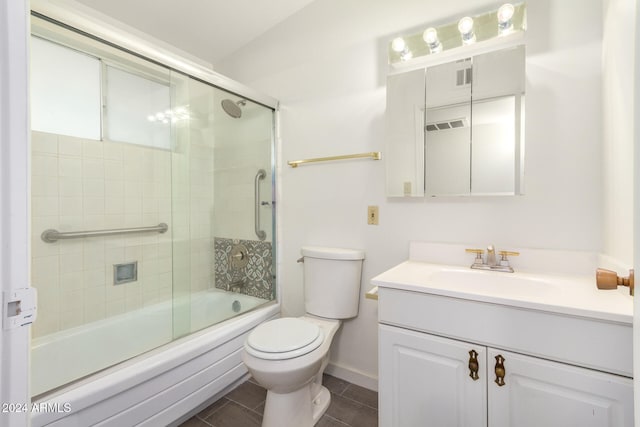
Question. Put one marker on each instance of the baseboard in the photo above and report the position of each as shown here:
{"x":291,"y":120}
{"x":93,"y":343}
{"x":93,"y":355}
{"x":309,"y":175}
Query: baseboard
{"x":354,"y":376}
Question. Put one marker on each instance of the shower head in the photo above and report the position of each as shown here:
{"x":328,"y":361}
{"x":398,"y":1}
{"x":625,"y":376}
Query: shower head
{"x":233,"y":108}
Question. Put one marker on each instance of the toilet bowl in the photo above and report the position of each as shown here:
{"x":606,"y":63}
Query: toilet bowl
{"x":287,"y":356}
{"x":292,"y":376}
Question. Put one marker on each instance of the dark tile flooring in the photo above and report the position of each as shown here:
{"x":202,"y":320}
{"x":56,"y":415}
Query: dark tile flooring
{"x":351,"y":406}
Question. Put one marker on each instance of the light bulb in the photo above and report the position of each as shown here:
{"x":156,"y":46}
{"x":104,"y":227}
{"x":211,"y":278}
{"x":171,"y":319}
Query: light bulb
{"x":398,"y":44}
{"x":430,"y":36}
{"x":465,"y":26}
{"x":151,"y":118}
{"x":505,"y":13}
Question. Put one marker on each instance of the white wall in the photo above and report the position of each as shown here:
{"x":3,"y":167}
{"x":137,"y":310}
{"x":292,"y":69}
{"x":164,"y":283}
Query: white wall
{"x":618,"y":114}
{"x":327,"y":66}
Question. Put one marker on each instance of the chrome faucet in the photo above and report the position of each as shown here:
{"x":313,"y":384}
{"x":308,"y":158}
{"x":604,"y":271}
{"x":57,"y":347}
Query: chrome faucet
{"x":491,"y":262}
{"x":236,"y":285}
{"x":491,"y":256}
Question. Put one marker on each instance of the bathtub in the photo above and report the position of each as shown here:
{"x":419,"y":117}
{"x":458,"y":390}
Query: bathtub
{"x":155,"y":388}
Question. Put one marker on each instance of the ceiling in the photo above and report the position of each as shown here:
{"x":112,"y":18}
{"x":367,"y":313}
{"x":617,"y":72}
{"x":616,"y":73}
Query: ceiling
{"x":208,"y":29}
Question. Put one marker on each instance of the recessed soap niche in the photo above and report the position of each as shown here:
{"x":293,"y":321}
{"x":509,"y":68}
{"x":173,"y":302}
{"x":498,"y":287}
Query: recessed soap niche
{"x":125,"y":273}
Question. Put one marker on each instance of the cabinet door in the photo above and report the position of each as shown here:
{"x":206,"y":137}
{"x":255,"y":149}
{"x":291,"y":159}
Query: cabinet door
{"x":425,"y":381}
{"x":404,"y":155}
{"x":538,"y":392}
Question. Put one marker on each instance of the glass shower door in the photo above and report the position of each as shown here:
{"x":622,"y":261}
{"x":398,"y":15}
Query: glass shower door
{"x":222,"y":268}
{"x":104,"y":294}
{"x":163,"y":198}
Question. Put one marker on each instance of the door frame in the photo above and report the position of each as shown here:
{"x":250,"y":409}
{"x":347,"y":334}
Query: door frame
{"x":14,"y":205}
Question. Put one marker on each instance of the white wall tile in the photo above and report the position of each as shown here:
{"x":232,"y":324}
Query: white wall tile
{"x":93,"y":187}
{"x":92,"y":168}
{"x":70,"y":282}
{"x":70,"y":186}
{"x":92,"y":148}
{"x":114,"y":170}
{"x":71,"y":262}
{"x":71,"y":207}
{"x":69,"y":146}
{"x":44,"y":186}
{"x":70,"y":166}
{"x":44,"y":165}
{"x":42,"y":142}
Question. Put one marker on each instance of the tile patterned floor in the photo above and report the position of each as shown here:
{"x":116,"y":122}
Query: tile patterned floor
{"x":351,"y":406}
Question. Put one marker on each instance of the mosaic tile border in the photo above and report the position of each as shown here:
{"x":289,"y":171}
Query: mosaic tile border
{"x":257,"y":275}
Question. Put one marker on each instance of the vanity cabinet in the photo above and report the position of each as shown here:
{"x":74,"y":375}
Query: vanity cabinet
{"x":439,"y":356}
{"x":424,"y":381}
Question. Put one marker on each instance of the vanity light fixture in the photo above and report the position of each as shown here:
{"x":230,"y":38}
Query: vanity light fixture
{"x":465,"y":26}
{"x":400,"y":46}
{"x":508,"y":22}
{"x":505,"y":15}
{"x":430,"y":36}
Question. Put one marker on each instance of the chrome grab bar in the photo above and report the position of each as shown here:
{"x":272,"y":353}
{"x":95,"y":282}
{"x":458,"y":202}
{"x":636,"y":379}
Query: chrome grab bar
{"x":260,"y":175}
{"x":52,"y":236}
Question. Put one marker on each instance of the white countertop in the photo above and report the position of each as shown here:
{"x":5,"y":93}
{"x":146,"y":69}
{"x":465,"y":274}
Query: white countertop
{"x":575,"y":295}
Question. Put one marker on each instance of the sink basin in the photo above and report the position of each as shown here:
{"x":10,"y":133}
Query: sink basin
{"x":486,"y":278}
{"x":566,"y":294}
{"x":465,"y":282}
{"x":514,"y":285}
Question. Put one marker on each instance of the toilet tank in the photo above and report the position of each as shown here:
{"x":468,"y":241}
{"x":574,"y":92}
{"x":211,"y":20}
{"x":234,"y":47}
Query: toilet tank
{"x":332,"y":281}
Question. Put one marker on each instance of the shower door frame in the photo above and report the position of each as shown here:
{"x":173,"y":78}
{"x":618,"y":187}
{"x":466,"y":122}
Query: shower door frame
{"x":14,"y":197}
{"x":15,"y":163}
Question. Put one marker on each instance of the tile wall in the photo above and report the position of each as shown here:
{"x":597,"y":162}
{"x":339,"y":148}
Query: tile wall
{"x":80,"y":184}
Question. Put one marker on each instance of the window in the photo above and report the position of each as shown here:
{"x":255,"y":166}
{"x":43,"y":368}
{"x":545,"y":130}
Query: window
{"x":65,"y":90}
{"x":137,"y":110}
{"x":68,"y":87}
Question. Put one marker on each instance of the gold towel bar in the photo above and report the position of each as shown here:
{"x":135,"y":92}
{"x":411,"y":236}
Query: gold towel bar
{"x":374,"y":155}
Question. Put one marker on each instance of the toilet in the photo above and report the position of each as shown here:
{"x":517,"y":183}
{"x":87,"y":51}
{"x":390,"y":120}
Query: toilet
{"x":287,"y":356}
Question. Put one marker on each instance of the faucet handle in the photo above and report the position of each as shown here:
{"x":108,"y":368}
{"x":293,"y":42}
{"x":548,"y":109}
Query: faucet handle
{"x":504,"y":261}
{"x":478,"y":253}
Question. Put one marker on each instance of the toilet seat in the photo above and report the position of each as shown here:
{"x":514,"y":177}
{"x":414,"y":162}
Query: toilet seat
{"x":284,"y":338}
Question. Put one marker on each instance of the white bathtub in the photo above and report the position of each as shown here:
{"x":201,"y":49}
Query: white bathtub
{"x":155,"y":388}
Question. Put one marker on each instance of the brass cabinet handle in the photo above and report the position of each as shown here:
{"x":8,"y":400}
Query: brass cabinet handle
{"x":473,"y":365}
{"x":500,"y":371}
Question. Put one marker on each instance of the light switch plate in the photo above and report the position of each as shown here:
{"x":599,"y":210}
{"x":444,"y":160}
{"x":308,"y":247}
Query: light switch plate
{"x":372,"y":215}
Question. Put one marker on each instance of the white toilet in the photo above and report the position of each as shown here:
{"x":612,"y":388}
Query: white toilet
{"x":288,"y":355}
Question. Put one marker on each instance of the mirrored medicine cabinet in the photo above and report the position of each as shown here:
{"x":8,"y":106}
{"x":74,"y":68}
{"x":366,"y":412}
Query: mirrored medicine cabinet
{"x":457,"y":129}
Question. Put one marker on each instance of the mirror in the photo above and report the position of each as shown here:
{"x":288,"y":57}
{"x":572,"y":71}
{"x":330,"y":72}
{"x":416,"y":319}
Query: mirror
{"x":456,"y":129}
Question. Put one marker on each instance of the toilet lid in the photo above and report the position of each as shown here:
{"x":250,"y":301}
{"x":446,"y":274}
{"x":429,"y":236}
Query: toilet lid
{"x":284,"y":338}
